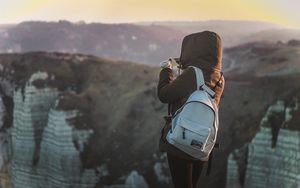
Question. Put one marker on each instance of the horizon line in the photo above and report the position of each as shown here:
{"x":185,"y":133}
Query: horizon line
{"x":153,"y":21}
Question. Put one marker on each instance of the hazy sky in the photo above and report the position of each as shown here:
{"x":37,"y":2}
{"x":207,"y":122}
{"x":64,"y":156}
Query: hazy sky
{"x":285,"y":12}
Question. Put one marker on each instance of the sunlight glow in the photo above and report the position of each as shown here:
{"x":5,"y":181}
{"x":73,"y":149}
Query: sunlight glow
{"x":283,"y":12}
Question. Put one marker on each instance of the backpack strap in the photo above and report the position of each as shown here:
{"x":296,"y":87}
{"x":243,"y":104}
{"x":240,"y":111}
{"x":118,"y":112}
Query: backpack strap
{"x":199,"y":77}
{"x":201,"y":83}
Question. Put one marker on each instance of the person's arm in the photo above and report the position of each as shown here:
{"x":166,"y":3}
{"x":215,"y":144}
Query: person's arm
{"x":170,"y":89}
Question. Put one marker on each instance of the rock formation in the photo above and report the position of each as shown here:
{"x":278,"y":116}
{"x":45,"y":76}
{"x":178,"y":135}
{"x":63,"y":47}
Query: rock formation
{"x":83,"y":121}
{"x":61,"y":117}
{"x":271,"y":159}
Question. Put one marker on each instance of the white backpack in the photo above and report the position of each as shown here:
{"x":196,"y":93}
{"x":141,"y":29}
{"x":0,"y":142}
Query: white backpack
{"x":195,"y":125}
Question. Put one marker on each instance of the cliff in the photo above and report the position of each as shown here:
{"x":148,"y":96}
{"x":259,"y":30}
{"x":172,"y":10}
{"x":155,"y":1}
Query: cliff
{"x":271,"y":159}
{"x":67,"y":120}
{"x":72,"y":120}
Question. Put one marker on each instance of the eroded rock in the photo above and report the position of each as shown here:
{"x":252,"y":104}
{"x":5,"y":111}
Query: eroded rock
{"x":272,"y":158}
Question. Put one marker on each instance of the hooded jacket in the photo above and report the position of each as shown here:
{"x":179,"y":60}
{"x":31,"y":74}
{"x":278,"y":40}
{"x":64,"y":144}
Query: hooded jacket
{"x":202,"y":50}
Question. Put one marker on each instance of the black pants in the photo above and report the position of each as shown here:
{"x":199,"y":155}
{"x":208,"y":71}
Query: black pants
{"x":185,"y":174}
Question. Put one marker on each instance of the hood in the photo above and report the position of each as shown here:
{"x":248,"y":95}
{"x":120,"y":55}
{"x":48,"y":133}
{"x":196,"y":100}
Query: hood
{"x":202,"y":50}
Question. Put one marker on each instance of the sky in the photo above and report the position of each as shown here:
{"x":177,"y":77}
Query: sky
{"x":284,"y":12}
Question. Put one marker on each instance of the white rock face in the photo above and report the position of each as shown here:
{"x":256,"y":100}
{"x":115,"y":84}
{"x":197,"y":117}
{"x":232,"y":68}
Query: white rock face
{"x":42,"y":142}
{"x":158,"y":169}
{"x":135,"y":180}
{"x":274,"y":167}
{"x":232,"y":173}
{"x":268,"y":166}
{"x":31,"y":107}
{"x":59,"y":157}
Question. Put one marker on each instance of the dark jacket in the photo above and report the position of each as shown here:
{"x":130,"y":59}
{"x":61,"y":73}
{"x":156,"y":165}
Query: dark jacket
{"x":202,"y":50}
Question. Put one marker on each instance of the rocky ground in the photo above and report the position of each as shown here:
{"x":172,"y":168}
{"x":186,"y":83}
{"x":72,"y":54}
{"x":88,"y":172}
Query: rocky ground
{"x":116,"y":102}
{"x":97,"y":121}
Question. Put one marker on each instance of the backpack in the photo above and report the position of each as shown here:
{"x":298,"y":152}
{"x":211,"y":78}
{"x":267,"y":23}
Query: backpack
{"x":195,"y":125}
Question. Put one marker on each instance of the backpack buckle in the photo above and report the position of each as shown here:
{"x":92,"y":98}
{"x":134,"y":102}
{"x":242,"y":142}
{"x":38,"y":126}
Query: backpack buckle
{"x":208,"y":90}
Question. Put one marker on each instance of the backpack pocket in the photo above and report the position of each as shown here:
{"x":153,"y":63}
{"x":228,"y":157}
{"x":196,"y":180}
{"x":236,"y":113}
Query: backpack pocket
{"x":190,"y":134}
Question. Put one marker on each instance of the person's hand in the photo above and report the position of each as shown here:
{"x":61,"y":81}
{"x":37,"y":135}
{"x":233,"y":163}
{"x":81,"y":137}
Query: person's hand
{"x":166,"y":64}
{"x":173,"y":62}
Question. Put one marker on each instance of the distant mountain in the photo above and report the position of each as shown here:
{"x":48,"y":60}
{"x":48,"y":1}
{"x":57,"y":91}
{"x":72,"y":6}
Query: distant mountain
{"x":260,"y":59}
{"x":224,"y":27}
{"x":273,"y":35}
{"x":147,"y":43}
{"x":6,"y":26}
{"x":235,"y":32}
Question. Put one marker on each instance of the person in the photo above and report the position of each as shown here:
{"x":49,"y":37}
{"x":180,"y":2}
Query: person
{"x":202,"y":50}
